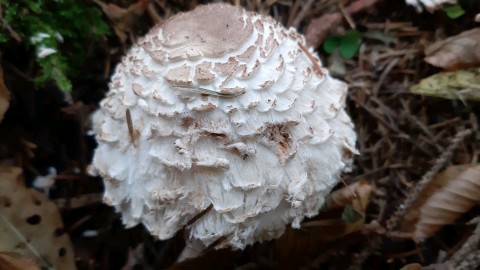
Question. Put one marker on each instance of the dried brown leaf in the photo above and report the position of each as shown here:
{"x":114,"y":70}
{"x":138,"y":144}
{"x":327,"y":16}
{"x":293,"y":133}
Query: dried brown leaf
{"x":456,"y":52}
{"x":450,"y":194}
{"x":10,"y":261}
{"x":124,"y":20}
{"x":31,"y":225}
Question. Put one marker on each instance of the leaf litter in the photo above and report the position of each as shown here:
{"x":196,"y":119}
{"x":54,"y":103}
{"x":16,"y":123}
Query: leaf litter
{"x":31,"y":225}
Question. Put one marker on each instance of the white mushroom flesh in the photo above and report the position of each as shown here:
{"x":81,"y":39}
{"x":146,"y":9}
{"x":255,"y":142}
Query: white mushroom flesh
{"x":228,"y":109}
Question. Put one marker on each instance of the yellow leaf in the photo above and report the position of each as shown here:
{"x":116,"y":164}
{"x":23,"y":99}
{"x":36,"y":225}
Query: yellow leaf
{"x":461,"y":84}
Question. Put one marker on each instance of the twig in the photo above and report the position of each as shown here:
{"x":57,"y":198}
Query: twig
{"x":347,"y":16}
{"x":469,"y":245}
{"x":384,"y":75}
{"x":387,"y":124}
{"x":301,"y":15}
{"x":471,"y":261}
{"x":441,"y":161}
{"x":152,"y":12}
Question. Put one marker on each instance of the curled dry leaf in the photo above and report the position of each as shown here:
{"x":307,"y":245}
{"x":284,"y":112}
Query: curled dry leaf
{"x":31,"y":225}
{"x":4,"y":96}
{"x":450,"y":194}
{"x":460,"y":84}
{"x":456,"y":52}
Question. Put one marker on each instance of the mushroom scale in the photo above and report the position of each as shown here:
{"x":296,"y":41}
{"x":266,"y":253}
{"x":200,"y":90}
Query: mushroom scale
{"x":223,"y":122}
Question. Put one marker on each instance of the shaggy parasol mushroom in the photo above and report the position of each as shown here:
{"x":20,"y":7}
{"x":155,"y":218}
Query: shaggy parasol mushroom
{"x":223,"y":122}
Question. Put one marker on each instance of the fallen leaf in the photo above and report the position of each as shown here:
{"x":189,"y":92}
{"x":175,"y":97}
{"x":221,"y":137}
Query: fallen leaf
{"x":456,"y":52}
{"x":12,"y":261}
{"x":4,"y":96}
{"x":124,"y":20}
{"x":461,"y":84}
{"x":450,"y":194}
{"x":31,"y":225}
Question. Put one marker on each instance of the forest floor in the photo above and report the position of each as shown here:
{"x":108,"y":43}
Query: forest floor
{"x":405,"y":141}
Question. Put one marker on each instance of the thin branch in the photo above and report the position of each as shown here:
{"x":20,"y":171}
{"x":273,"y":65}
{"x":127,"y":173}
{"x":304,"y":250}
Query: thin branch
{"x":441,"y":161}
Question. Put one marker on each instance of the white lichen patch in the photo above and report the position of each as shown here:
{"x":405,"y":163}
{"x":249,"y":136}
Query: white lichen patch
{"x":235,"y":131}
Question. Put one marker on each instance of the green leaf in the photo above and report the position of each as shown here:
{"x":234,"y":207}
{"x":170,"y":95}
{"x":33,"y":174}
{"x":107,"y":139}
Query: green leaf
{"x":350,"y":43}
{"x":350,"y":215}
{"x":330,"y":44}
{"x":454,"y":11}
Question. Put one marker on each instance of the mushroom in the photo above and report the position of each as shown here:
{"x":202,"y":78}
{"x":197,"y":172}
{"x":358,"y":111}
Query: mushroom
{"x":222,"y":122}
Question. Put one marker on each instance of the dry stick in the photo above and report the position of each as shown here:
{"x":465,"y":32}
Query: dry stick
{"x":384,"y":75}
{"x":301,"y":15}
{"x":471,"y":261}
{"x":388,"y":125}
{"x":397,"y":216}
{"x":293,"y":12}
{"x":347,"y":16}
{"x":469,"y":245}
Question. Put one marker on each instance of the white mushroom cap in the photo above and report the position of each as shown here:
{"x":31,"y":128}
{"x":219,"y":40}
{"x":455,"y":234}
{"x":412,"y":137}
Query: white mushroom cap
{"x":235,"y":129}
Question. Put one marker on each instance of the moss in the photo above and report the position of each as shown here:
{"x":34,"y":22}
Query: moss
{"x":55,"y":31}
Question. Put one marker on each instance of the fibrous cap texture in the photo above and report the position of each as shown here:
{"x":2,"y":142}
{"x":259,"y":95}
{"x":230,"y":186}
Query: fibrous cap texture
{"x":223,"y":122}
